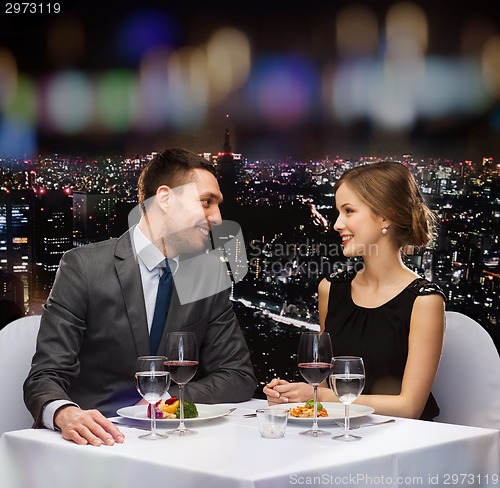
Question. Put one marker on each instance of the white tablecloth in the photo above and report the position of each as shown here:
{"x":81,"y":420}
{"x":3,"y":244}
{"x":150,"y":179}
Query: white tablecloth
{"x":229,"y":452}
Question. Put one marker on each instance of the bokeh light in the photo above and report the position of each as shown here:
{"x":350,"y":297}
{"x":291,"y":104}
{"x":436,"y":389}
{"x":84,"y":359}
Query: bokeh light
{"x":228,"y":62}
{"x":117,"y":100}
{"x":8,"y":76}
{"x":17,"y":138}
{"x":475,"y":33}
{"x":451,"y":86}
{"x":406,"y":31}
{"x":283,"y":90}
{"x":143,"y":31}
{"x":68,"y":103}
{"x":187,"y":87}
{"x":22,"y":105}
{"x":348,"y":91}
{"x":393,"y":96}
{"x":153,"y":109}
{"x":357,"y":31}
{"x":394,"y":100}
{"x":65,"y":40}
{"x":354,"y":63}
{"x":491,"y":65}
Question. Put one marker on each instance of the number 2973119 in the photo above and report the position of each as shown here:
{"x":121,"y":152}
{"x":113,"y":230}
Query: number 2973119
{"x":32,"y":8}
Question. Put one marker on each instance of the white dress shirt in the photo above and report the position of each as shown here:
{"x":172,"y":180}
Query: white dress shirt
{"x":150,"y":260}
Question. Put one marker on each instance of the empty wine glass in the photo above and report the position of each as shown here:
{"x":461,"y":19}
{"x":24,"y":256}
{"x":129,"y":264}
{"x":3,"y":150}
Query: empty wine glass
{"x":152,"y":382}
{"x":182,"y":359}
{"x":314,"y":356}
{"x":347,"y":381}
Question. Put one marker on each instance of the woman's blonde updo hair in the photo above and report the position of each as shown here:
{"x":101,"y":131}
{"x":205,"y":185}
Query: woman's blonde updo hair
{"x":391,"y":191}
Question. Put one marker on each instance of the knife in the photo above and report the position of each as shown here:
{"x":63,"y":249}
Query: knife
{"x":132,"y":426}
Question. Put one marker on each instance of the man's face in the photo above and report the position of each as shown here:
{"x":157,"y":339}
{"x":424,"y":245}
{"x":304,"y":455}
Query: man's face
{"x":193,"y":209}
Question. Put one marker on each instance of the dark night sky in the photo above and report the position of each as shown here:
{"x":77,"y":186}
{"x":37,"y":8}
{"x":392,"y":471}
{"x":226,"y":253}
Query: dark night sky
{"x":275,"y":28}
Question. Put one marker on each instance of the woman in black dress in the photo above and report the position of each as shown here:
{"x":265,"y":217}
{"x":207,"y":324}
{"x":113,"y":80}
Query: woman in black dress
{"x":385,"y":313}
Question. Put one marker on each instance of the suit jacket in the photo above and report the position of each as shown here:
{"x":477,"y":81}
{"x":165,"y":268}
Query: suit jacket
{"x":94,"y":327}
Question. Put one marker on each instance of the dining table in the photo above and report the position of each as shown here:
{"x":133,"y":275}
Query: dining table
{"x":228,"y":451}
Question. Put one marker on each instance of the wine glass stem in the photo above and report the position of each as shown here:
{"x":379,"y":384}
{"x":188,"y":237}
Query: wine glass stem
{"x":181,"y":407}
{"x":315,"y":415}
{"x":153,"y":419}
{"x":347,"y":419}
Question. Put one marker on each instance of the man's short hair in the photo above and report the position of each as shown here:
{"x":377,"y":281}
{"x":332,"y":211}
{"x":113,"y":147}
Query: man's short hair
{"x":172,"y":167}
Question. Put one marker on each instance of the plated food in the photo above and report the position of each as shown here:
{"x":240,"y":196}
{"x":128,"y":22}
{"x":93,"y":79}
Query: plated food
{"x":170,"y":409}
{"x":205,"y":412}
{"x":335,"y":411}
{"x":306,"y":411}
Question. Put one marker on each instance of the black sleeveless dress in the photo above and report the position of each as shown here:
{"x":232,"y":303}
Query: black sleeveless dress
{"x":379,"y":335}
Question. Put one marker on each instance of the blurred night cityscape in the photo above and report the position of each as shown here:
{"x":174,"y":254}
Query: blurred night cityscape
{"x":285,"y":209}
{"x":283,"y":100}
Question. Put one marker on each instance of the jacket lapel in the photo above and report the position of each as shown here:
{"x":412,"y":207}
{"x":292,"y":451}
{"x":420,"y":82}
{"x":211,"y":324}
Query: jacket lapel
{"x":129,"y":276}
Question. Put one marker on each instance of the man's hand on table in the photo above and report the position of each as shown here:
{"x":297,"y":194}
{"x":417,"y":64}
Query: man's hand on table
{"x":87,"y":427}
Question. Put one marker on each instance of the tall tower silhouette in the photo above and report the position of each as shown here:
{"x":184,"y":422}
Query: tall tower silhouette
{"x":226,"y":170}
{"x":227,"y":237}
{"x":227,"y":145}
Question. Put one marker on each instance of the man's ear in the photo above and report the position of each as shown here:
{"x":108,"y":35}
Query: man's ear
{"x":163,"y":196}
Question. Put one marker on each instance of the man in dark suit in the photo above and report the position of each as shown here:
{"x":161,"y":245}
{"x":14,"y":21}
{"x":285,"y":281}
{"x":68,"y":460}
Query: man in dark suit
{"x":98,"y":317}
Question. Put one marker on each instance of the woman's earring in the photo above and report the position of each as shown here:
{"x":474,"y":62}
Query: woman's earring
{"x":384,"y":231}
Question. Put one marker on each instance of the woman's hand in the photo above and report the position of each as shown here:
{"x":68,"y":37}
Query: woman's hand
{"x":280,"y":391}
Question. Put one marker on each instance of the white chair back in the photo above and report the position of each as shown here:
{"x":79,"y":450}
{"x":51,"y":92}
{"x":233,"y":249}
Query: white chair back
{"x":17,"y":346}
{"x":467,"y":385}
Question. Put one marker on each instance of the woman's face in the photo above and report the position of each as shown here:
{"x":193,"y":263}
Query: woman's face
{"x":359,"y":227}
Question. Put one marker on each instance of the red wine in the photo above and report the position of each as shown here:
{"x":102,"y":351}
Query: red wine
{"x":314,"y":373}
{"x":182,"y":371}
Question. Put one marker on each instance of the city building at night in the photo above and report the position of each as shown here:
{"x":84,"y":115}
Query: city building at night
{"x":17,"y":242}
{"x":285,"y":210}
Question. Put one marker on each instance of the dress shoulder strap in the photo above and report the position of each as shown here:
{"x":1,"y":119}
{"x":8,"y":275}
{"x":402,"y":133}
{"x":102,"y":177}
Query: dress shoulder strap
{"x":340,"y":276}
{"x":421,"y":286}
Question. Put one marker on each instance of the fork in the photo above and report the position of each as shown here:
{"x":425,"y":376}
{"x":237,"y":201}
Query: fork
{"x":368,"y":424}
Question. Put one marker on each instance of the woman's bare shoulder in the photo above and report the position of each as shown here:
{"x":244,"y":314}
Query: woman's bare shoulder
{"x":324,"y":286}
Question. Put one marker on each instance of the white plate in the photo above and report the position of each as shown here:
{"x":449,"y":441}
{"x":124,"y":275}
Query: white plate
{"x":335,"y":412}
{"x":205,"y":412}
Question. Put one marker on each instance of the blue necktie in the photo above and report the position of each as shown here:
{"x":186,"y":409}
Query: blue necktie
{"x":161,"y":308}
